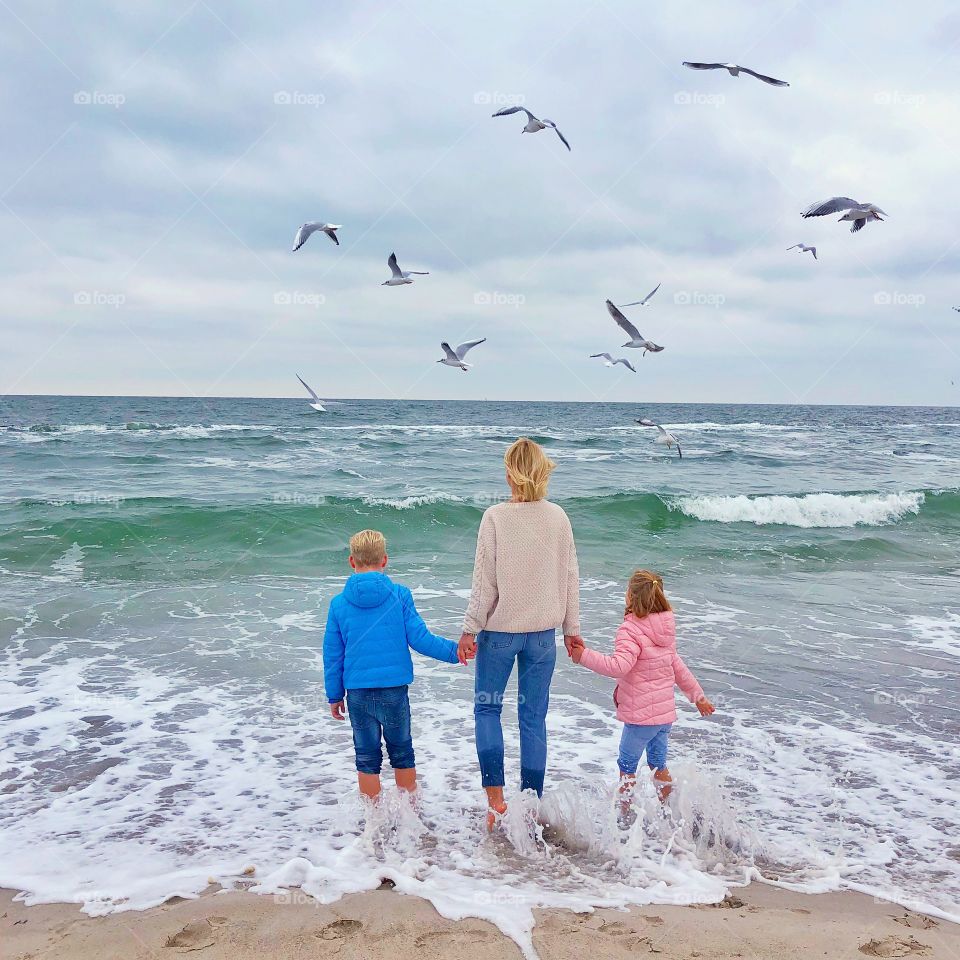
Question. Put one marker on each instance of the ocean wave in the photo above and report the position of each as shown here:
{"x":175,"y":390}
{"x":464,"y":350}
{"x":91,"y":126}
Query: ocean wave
{"x":809,"y":510}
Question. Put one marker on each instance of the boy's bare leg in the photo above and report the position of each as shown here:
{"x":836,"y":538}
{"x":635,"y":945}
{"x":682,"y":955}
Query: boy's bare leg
{"x":663,"y":782}
{"x":406,"y":779}
{"x":369,"y":785}
{"x":496,"y":805}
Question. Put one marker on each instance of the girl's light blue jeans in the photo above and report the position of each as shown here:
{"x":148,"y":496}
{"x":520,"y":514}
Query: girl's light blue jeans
{"x":637,"y":738}
{"x":536,"y":656}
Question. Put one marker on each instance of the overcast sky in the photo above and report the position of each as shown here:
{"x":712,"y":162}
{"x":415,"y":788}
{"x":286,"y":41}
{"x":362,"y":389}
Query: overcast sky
{"x":159,"y":156}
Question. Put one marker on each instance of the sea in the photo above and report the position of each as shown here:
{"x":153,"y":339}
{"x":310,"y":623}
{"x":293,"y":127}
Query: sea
{"x":165,"y":570}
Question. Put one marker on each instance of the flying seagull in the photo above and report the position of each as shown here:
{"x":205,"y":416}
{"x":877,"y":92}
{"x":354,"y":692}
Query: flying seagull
{"x":957,"y":309}
{"x":859,"y":213}
{"x":312,"y":226}
{"x":315,"y":402}
{"x":399,"y":276}
{"x":643,"y":302}
{"x":637,"y":339}
{"x":533,"y":124}
{"x":454,"y":358}
{"x":609,"y":361}
{"x":735,"y":70}
{"x":804,"y":249}
{"x":664,"y":437}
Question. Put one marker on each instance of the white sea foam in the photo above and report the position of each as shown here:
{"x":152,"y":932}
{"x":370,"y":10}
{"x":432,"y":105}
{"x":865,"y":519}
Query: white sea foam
{"x":810,"y":510}
{"x":938,"y":633}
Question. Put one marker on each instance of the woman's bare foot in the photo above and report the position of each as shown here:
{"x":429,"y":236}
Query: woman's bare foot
{"x":496,"y":806}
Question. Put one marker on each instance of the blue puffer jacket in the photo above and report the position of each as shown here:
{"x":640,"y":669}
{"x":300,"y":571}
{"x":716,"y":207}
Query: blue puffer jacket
{"x":370,"y":629}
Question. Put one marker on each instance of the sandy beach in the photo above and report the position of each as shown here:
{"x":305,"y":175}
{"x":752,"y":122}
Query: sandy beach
{"x":754,"y":922}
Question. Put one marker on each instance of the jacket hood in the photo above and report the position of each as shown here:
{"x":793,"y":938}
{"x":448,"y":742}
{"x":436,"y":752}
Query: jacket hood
{"x":368,"y":589}
{"x":659,"y":628}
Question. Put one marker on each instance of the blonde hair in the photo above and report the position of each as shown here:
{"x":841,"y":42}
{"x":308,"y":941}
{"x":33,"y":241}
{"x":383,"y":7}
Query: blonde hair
{"x":528,"y":469}
{"x":368,"y":548}
{"x":645,"y":594}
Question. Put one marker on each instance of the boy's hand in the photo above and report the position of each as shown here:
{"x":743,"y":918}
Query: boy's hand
{"x":337,"y":710}
{"x":705,"y":707}
{"x":466,"y":648}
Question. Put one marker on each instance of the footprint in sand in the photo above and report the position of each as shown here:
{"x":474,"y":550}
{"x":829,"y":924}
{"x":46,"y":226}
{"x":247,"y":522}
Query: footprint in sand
{"x":916,"y":920}
{"x":895,"y":947}
{"x":454,"y":938}
{"x":339,"y":930}
{"x":197,"y":935}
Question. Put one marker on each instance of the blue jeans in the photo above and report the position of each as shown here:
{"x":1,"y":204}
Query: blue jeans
{"x":376,"y":712}
{"x":638,"y":737}
{"x":536,"y":654}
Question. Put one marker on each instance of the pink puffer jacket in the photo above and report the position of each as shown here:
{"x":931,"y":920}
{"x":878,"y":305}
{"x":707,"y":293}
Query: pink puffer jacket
{"x":646,"y":662}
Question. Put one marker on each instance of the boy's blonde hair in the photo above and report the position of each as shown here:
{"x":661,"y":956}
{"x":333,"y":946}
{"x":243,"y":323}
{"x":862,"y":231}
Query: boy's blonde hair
{"x":528,"y":469}
{"x":645,"y":594}
{"x":368,"y":548}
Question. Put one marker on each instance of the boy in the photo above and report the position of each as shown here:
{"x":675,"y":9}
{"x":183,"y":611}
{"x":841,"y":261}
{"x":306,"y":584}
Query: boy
{"x":366,"y":655}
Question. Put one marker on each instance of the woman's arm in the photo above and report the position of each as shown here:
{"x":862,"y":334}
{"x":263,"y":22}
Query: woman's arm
{"x":483,"y":591}
{"x":619,"y":663}
{"x":571,"y":619}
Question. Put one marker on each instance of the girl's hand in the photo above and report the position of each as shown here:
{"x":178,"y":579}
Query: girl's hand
{"x":466,"y":648}
{"x":576,"y":652}
{"x":705,"y":707}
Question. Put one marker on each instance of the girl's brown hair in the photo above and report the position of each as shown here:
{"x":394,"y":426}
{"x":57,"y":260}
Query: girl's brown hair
{"x":645,"y":594}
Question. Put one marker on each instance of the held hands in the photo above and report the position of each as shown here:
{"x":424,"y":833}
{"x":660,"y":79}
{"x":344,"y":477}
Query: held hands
{"x":705,"y":707}
{"x":575,"y":646}
{"x":337,"y":710}
{"x":466,"y":648}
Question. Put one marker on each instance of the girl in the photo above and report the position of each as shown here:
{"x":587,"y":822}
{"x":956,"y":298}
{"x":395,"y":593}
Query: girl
{"x":646,"y":664}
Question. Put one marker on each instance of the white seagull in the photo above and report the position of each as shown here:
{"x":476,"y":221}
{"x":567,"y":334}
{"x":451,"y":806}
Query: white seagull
{"x":454,"y":358}
{"x":311,"y":227}
{"x":399,"y":277}
{"x":533,"y":124}
{"x":643,"y":302}
{"x":609,"y":361}
{"x":735,"y":70}
{"x":315,"y":402}
{"x":637,"y":339}
{"x":859,"y":213}
{"x":804,"y":249}
{"x":664,"y":436}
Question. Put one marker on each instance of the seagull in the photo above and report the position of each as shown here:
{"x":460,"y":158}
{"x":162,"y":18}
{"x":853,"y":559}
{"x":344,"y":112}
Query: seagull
{"x":804,"y":249}
{"x":643,"y":302}
{"x":637,"y":339}
{"x":400,"y":277}
{"x":957,"y":309}
{"x":454,"y":358}
{"x":859,"y":213}
{"x":609,"y":361}
{"x":315,"y":402}
{"x":533,"y":124}
{"x":735,"y":70}
{"x":312,"y":226}
{"x":665,"y":437}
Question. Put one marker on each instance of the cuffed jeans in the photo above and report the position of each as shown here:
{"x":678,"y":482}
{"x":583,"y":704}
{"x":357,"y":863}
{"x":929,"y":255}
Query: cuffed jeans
{"x":536,"y":654}
{"x":376,"y":712}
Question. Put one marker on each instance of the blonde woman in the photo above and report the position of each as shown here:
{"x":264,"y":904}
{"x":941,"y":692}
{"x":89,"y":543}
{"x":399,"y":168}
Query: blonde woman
{"x":525,"y":585}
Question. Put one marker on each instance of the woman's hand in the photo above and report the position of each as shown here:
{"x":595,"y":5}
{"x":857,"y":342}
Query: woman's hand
{"x":337,"y":710}
{"x":466,"y":648}
{"x":570,"y":641}
{"x":577,"y":652}
{"x":705,"y":707}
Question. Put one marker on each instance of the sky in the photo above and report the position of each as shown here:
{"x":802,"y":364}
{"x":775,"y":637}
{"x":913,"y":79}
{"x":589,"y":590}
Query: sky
{"x":159,"y":157}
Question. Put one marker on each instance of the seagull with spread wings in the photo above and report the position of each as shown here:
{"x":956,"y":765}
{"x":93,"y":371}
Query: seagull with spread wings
{"x":609,"y":361}
{"x":858,"y":213}
{"x":315,"y":400}
{"x":454,"y":357}
{"x":643,"y":302}
{"x":804,"y":249}
{"x":734,"y":69}
{"x":399,"y":277}
{"x":664,"y":436}
{"x":311,"y":227}
{"x":533,"y":124}
{"x":637,"y":339}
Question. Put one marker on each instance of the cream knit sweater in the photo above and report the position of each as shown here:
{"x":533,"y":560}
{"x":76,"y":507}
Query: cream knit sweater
{"x":525,"y":576}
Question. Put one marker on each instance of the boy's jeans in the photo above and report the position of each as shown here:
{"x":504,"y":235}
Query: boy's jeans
{"x":380,"y":711}
{"x":536,"y":654}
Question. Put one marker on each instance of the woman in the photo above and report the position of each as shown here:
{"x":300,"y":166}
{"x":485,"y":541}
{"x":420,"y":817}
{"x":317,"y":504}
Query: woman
{"x":525,"y":585}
